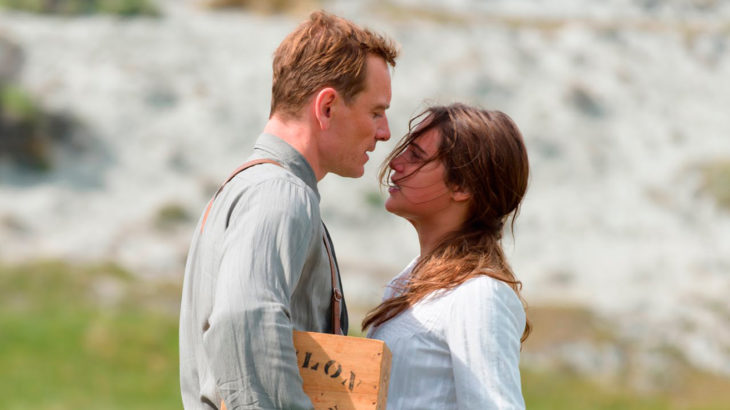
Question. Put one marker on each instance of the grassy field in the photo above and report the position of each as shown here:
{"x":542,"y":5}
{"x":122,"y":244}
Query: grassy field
{"x":124,"y":8}
{"x":85,"y":338}
{"x":82,"y":337}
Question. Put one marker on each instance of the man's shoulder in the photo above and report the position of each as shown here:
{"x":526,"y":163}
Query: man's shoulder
{"x":272,"y":179}
{"x":270,"y":193}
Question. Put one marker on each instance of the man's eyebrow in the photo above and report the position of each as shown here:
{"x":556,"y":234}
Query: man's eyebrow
{"x":382,"y":106}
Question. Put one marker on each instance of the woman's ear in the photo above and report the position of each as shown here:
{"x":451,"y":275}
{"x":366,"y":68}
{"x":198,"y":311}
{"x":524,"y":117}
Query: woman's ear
{"x":324,"y":102}
{"x":460,"y":195}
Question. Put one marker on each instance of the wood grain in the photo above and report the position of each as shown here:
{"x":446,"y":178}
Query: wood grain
{"x":342,"y":372}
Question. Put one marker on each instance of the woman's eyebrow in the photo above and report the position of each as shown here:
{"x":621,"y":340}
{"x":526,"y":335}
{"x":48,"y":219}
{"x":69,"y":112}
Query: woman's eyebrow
{"x":417,"y":147}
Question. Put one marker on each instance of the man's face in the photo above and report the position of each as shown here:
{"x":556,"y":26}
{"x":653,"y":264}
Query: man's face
{"x":358,"y":126}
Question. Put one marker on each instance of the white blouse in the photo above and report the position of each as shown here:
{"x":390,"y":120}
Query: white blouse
{"x":456,"y":350}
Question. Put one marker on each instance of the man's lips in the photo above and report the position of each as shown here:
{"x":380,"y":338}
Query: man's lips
{"x":371,"y":149}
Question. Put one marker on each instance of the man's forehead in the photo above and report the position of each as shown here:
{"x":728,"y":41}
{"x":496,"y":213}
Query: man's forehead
{"x":378,"y":76}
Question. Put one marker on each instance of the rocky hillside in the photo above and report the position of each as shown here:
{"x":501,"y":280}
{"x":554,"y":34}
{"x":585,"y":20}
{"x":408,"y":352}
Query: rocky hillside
{"x":623,"y":107}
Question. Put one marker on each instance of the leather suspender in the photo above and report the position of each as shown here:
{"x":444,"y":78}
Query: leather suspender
{"x":238,"y":170}
{"x":336,"y":294}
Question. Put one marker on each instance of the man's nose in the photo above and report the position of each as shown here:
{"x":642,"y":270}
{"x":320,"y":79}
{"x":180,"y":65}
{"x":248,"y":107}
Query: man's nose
{"x":383,"y":131}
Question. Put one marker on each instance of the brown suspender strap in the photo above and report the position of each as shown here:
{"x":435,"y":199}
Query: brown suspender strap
{"x":336,"y":294}
{"x":238,"y":170}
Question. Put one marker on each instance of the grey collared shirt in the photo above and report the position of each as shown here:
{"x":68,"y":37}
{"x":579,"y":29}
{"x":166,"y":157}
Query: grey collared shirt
{"x":256,"y":271}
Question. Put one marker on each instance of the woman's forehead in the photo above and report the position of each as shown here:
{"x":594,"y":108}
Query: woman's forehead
{"x":427,"y":141}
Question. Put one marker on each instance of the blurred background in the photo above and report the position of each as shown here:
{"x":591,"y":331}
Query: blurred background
{"x":119,"y":118}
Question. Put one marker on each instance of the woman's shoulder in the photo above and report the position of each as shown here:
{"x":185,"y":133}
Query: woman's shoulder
{"x":483,"y":284}
{"x":485,"y":304}
{"x":399,"y":281}
{"x":486,"y":290}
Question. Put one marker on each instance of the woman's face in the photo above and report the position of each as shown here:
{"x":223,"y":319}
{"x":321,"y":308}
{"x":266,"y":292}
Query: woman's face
{"x":418,"y":194}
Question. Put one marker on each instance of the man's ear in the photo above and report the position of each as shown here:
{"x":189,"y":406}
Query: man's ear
{"x":324,"y":102}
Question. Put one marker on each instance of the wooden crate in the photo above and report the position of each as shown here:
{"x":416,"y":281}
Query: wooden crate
{"x":342,"y":372}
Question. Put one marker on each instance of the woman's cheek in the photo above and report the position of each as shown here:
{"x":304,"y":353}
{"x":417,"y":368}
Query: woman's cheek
{"x":425,"y":191}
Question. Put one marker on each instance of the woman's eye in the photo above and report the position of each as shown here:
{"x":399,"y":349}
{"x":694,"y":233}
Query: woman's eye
{"x":412,"y":156}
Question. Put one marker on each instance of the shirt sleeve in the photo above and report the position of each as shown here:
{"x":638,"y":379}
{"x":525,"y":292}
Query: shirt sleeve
{"x":249,"y":342}
{"x":484,"y":341}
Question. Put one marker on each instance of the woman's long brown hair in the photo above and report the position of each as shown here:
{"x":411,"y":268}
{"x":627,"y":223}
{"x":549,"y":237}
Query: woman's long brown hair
{"x":484,"y":154}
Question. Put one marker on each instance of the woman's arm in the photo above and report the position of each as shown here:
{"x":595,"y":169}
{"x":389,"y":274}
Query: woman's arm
{"x":484,"y":339}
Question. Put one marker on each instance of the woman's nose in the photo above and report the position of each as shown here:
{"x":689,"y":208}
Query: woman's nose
{"x":396,"y":164}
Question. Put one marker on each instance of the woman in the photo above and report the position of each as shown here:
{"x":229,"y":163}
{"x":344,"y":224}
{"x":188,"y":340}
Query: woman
{"x":454,"y":319}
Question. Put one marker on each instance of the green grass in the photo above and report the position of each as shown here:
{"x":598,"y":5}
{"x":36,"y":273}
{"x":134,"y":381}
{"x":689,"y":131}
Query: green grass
{"x":267,"y":6}
{"x":682,"y":387}
{"x":124,"y":8}
{"x":552,"y":390}
{"x":16,"y":103}
{"x":374,"y":199}
{"x":65,"y":345}
{"x":25,"y":128}
{"x":94,"y":337}
{"x":171,"y":215}
{"x":566,"y":391}
{"x":716,"y":181}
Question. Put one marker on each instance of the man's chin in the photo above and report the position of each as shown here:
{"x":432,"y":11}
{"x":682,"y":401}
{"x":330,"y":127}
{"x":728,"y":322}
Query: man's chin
{"x":351,"y":173}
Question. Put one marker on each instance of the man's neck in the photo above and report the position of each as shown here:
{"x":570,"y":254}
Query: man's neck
{"x":297,"y":133}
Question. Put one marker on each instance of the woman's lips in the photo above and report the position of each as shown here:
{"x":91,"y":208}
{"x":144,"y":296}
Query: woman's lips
{"x":393,"y":187}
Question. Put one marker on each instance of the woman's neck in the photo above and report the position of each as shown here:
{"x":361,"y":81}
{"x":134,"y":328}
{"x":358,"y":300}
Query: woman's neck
{"x":432,"y":232}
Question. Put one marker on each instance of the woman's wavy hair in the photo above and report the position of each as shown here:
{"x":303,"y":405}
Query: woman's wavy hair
{"x":484,"y":154}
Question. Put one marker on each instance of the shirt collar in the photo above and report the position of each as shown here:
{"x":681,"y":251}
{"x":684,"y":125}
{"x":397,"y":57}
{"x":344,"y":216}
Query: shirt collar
{"x":271,"y":146}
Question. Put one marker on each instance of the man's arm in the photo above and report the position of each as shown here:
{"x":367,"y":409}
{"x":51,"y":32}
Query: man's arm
{"x":249,"y":342}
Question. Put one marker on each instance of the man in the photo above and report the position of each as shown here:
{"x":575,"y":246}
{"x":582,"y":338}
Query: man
{"x":260,"y":265}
